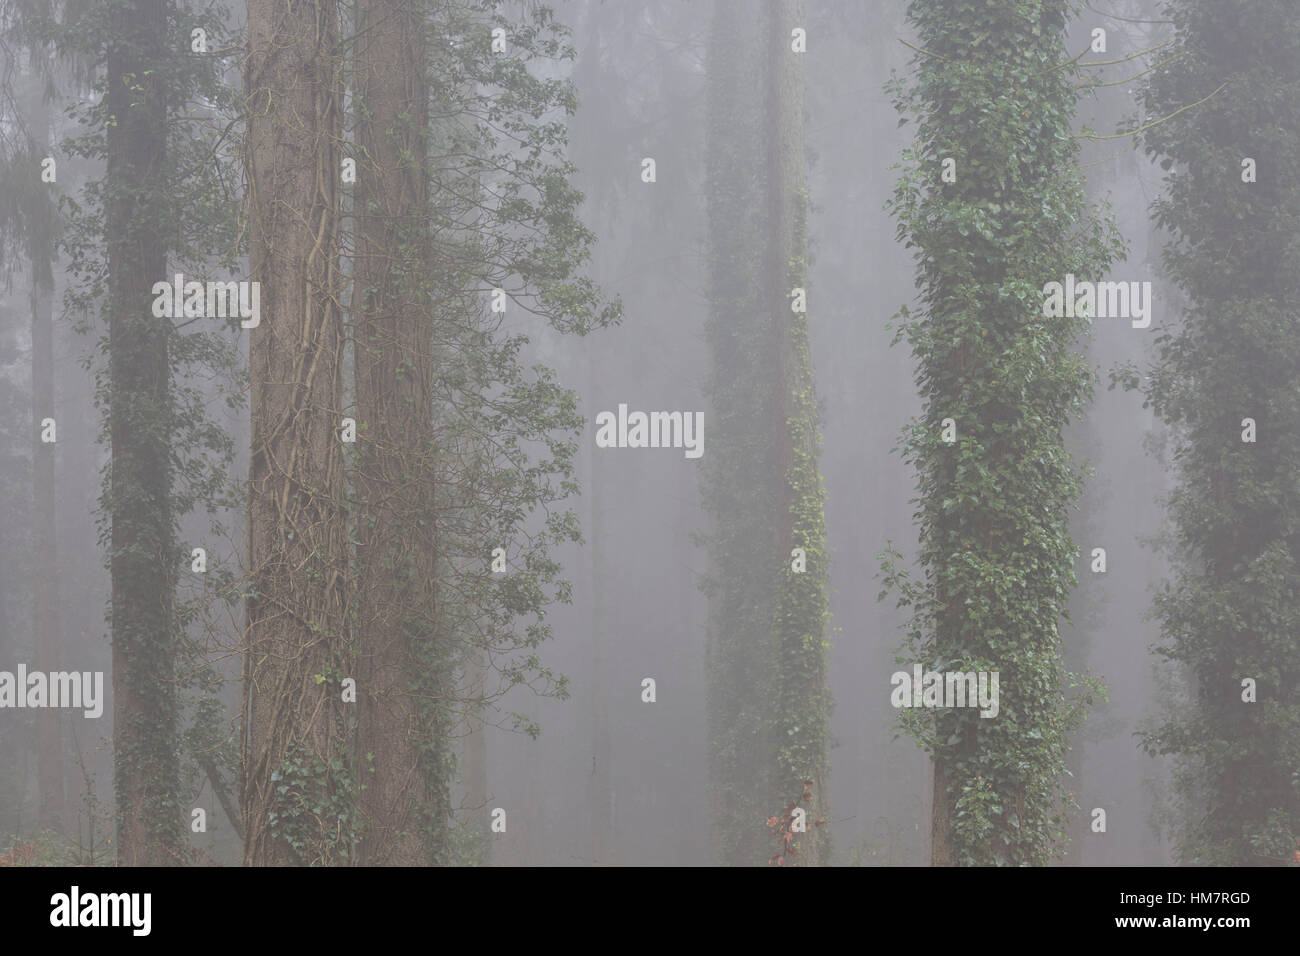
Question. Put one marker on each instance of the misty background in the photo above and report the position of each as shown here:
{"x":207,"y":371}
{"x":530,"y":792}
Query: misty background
{"x":612,"y":780}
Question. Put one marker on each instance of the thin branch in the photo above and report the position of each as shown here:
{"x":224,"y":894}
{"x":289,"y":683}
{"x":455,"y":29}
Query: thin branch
{"x":1158,"y":46}
{"x":1130,"y":79}
{"x":1142,"y":129}
{"x":926,"y":52}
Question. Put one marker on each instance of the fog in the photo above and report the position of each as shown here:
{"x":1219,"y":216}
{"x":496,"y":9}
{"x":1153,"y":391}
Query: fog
{"x":613,"y":779}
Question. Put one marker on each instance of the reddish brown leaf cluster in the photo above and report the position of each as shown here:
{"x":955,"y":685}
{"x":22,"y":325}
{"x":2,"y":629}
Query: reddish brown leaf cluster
{"x":780,"y":827}
{"x":22,"y":854}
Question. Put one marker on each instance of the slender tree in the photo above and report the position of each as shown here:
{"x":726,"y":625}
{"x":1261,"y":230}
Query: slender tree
{"x":769,"y":708}
{"x":45,"y":615}
{"x":141,"y":537}
{"x":155,"y":201}
{"x":28,"y":221}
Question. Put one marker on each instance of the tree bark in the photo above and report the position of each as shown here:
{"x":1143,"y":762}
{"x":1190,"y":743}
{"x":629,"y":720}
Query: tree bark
{"x":394,"y":380}
{"x":294,"y":796}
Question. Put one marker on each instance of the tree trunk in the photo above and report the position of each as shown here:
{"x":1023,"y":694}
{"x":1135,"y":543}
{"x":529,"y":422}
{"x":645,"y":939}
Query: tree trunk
{"x":394,"y":360}
{"x":143,"y":556}
{"x":474,"y":758}
{"x":800,"y":619}
{"x":940,"y":817}
{"x":295,"y":797}
{"x":45,"y":617}
{"x":600,"y":787}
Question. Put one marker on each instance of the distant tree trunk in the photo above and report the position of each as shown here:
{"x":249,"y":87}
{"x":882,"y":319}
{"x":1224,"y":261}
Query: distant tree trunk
{"x":45,"y":618}
{"x":474,"y":757}
{"x":296,"y":616}
{"x":768,"y":703}
{"x":600,"y":793}
{"x":1230,"y":611}
{"x":143,"y":554}
{"x":394,"y":360}
{"x":739,"y":482}
{"x":803,"y":715}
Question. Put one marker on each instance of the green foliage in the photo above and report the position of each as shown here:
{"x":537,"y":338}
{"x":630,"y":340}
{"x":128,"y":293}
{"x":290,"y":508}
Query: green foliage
{"x":193,"y":202}
{"x":502,"y":213}
{"x":314,"y":811}
{"x":1231,"y":611}
{"x":994,"y":91}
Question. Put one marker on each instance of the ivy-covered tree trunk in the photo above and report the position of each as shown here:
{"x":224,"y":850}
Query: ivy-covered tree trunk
{"x":297,"y":791}
{"x":403,"y":800}
{"x":1231,"y":617}
{"x":766,"y":657}
{"x":994,"y":93}
{"x":802,"y":719}
{"x":143,"y":548}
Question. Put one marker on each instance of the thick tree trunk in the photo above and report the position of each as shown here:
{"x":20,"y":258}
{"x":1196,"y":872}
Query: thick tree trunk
{"x":146,"y":767}
{"x":394,"y":379}
{"x":294,"y":655}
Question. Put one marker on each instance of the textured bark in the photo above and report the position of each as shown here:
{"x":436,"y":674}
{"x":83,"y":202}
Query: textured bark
{"x":295,"y":638}
{"x":146,"y":768}
{"x":940,"y":817}
{"x":394,"y":362}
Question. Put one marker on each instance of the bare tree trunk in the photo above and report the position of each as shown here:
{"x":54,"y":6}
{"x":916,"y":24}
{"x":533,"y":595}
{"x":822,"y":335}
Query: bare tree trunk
{"x":600,"y":786}
{"x":294,"y":662}
{"x":474,"y":756}
{"x":143,"y":555}
{"x":940,"y":821}
{"x":394,"y":380}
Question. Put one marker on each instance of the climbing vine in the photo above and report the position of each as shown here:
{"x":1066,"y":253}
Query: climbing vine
{"x":993,"y":90}
{"x":769,"y":706}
